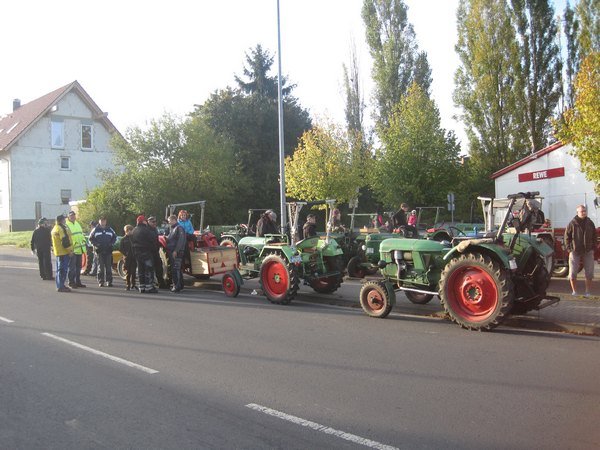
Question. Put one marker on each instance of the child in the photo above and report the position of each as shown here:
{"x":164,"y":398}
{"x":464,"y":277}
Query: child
{"x":412,"y":219}
{"x":130,"y":265}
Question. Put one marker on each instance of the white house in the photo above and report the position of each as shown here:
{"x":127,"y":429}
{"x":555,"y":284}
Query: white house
{"x":556,"y":174}
{"x":50,"y":152}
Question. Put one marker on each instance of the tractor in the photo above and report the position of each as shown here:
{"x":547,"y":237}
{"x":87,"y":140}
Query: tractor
{"x":479,"y":281}
{"x":230,"y":235}
{"x":280,"y":261}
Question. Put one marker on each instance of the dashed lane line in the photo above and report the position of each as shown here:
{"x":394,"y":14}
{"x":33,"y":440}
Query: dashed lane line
{"x":4,"y":319}
{"x":104,"y":355}
{"x":18,"y":267}
{"x":321,"y":428}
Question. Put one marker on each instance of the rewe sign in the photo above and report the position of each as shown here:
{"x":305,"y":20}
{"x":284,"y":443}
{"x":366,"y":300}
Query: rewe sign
{"x":542,"y":174}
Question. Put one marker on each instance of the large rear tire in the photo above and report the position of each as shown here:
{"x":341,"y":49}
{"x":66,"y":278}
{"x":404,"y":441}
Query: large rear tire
{"x":332,"y":283}
{"x":278,"y":279}
{"x":375,"y":299}
{"x":538,"y":283}
{"x":476,"y":292}
{"x":231,"y":284}
{"x":560,"y":272}
{"x":355,"y":269}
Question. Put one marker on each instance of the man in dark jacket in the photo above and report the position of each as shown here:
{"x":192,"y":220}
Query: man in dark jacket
{"x":156,"y":260}
{"x":176,"y":242}
{"x":103,"y":238}
{"x":143,"y":240}
{"x":310,"y":227}
{"x":267,"y":224}
{"x":41,"y":242}
{"x":580,"y":240}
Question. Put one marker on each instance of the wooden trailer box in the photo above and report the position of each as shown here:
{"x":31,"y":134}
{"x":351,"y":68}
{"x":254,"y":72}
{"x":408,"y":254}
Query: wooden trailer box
{"x":213,"y":260}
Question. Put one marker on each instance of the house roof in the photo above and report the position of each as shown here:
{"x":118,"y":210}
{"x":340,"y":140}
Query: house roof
{"x":527,"y":159}
{"x":15,"y":124}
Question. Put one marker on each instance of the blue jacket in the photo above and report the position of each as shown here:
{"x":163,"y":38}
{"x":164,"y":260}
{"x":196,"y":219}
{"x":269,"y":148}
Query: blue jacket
{"x":187,"y":226}
{"x":103,"y":239}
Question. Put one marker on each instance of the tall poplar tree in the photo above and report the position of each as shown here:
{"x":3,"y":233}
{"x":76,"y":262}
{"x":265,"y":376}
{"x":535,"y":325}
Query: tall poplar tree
{"x":489,"y":86}
{"x":353,"y":96}
{"x":541,"y":66}
{"x":588,"y":14}
{"x":397,"y":62}
{"x":571,"y":30}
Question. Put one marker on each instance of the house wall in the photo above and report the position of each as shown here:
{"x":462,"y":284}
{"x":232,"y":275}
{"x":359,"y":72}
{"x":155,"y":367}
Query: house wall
{"x":4,"y":191}
{"x":36,"y":167}
{"x":561,"y":194}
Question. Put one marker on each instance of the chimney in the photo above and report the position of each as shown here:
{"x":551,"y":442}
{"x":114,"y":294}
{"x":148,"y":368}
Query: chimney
{"x":16,"y":104}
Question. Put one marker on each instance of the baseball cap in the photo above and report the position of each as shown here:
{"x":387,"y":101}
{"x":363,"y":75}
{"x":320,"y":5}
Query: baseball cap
{"x":140,"y":219}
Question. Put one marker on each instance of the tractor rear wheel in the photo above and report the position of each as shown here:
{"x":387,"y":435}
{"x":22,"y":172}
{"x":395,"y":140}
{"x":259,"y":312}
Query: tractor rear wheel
{"x":332,"y":283}
{"x":375,"y":299}
{"x":538,"y":283}
{"x":121,"y":269}
{"x":231,"y":284}
{"x":560,"y":271}
{"x":355,"y":269}
{"x":418,"y":298}
{"x":228,"y":242}
{"x":278,"y":279}
{"x":476,"y":291}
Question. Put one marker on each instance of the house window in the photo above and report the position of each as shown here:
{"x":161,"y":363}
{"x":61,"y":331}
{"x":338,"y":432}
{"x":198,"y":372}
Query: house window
{"x":65,"y":196}
{"x":57,"y":131}
{"x":86,"y":136}
{"x":65,"y":163}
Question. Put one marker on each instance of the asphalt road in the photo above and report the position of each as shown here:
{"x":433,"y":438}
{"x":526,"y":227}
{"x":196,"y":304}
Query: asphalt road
{"x":106,"y":368}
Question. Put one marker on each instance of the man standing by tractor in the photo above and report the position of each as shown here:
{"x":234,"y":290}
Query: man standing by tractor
{"x":78,"y":248}
{"x":62,"y":244}
{"x":156,"y":261}
{"x":176,"y":242}
{"x":143,"y":238}
{"x":41,"y":242}
{"x":580,"y":240}
{"x":103,"y":238}
{"x":267,"y":224}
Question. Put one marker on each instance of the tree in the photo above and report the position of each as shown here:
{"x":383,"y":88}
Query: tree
{"x":247,"y":117}
{"x":397,"y":62}
{"x":172,"y":161}
{"x":418,"y":160}
{"x":571,"y":30}
{"x":259,"y":82}
{"x":488,"y":84}
{"x":588,"y":12}
{"x":326,"y":164}
{"x":541,"y":66}
{"x":582,"y":122}
{"x":354,"y":102}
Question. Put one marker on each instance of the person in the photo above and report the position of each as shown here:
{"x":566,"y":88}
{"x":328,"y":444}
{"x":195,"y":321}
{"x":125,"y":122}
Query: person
{"x":412,"y":218}
{"x":143,"y":240}
{"x":185,"y":222}
{"x":335,"y":224}
{"x":91,"y":266}
{"x":378,"y":221}
{"x":78,"y":249}
{"x":399,"y":219}
{"x":580,"y":240}
{"x":126,"y":248}
{"x":103,"y":238}
{"x":41,"y":242}
{"x":310,"y":227}
{"x":156,"y":261}
{"x":267,"y":224}
{"x":176,"y":243}
{"x":62,"y":244}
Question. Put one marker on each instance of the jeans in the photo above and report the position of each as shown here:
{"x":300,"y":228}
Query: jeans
{"x":75,"y":269}
{"x":176,"y":272}
{"x":45,"y":264}
{"x":62,"y":268}
{"x":145,"y":270}
{"x":104,"y":267}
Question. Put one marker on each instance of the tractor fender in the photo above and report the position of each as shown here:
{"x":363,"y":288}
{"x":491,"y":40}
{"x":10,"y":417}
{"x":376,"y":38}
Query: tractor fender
{"x":492,"y":250}
{"x":390,"y":289}
{"x":330,"y":248}
{"x":284,"y":249}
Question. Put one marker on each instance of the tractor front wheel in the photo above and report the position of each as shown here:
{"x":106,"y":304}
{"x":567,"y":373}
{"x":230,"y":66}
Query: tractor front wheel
{"x":329,"y":284}
{"x":278,"y":279}
{"x":476,"y":291}
{"x":418,"y":298}
{"x":231,"y":284}
{"x":375,"y":299}
{"x":355,"y":269}
{"x":121,"y":269}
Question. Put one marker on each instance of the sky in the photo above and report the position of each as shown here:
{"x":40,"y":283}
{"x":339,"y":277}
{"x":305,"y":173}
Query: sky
{"x":141,"y":59}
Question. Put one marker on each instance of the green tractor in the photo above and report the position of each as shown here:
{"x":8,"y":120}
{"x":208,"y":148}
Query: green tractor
{"x":230,"y":235}
{"x":479,"y":281}
{"x":280,"y":262}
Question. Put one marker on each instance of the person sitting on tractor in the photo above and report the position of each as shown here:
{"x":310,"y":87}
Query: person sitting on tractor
{"x":185,"y":222}
{"x":310,"y":227}
{"x":412,"y":218}
{"x":267,"y":224}
{"x":400,"y":222}
{"x":335,"y":224}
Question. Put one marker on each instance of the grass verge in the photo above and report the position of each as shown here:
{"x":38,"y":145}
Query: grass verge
{"x":19,"y":238}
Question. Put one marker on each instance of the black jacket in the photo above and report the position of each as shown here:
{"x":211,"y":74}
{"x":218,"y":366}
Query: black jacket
{"x":266,"y":226}
{"x":309,"y":230}
{"x":399,"y":219}
{"x":126,"y":246}
{"x":103,"y":239}
{"x":41,"y":239}
{"x":580,"y":235}
{"x":143,"y":239}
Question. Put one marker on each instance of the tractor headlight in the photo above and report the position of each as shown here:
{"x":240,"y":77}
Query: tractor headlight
{"x":363,"y":247}
{"x":512,"y":263}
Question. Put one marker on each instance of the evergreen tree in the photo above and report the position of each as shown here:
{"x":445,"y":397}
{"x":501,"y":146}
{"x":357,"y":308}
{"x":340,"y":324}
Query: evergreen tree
{"x":571,"y":30}
{"x":541,"y":66}
{"x":396,"y":60}
{"x":355,"y":105}
{"x":588,"y":14}
{"x":259,"y":63}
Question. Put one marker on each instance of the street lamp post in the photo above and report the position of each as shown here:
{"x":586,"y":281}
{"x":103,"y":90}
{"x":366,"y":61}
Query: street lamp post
{"x":280,"y":109}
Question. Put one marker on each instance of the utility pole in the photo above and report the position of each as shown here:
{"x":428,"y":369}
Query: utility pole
{"x":281,"y":148}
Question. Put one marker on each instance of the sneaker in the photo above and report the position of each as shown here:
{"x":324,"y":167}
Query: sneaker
{"x":81,"y":285}
{"x":64,"y":289}
{"x":175,"y":290}
{"x":109,"y":284}
{"x":142,"y":291}
{"x":127,"y":288}
{"x":100,"y":284}
{"x":72,"y":285}
{"x":587,"y":294}
{"x":93,"y":274}
{"x":152,"y":291}
{"x":574,"y":294}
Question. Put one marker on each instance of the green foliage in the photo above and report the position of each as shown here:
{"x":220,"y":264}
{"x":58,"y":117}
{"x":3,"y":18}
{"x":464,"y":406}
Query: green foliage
{"x":397,"y":62}
{"x":418,"y":161}
{"x":571,"y":30}
{"x":582,"y":122}
{"x":354,"y":102}
{"x":588,"y":12}
{"x":20,"y":239}
{"x":489,"y":86}
{"x":328,"y":163}
{"x":173,"y":161}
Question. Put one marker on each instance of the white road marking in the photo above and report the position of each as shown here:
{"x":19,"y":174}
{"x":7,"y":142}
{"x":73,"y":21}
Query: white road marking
{"x":322,"y":428}
{"x":104,"y":355}
{"x":18,"y":267}
{"x":4,"y":319}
